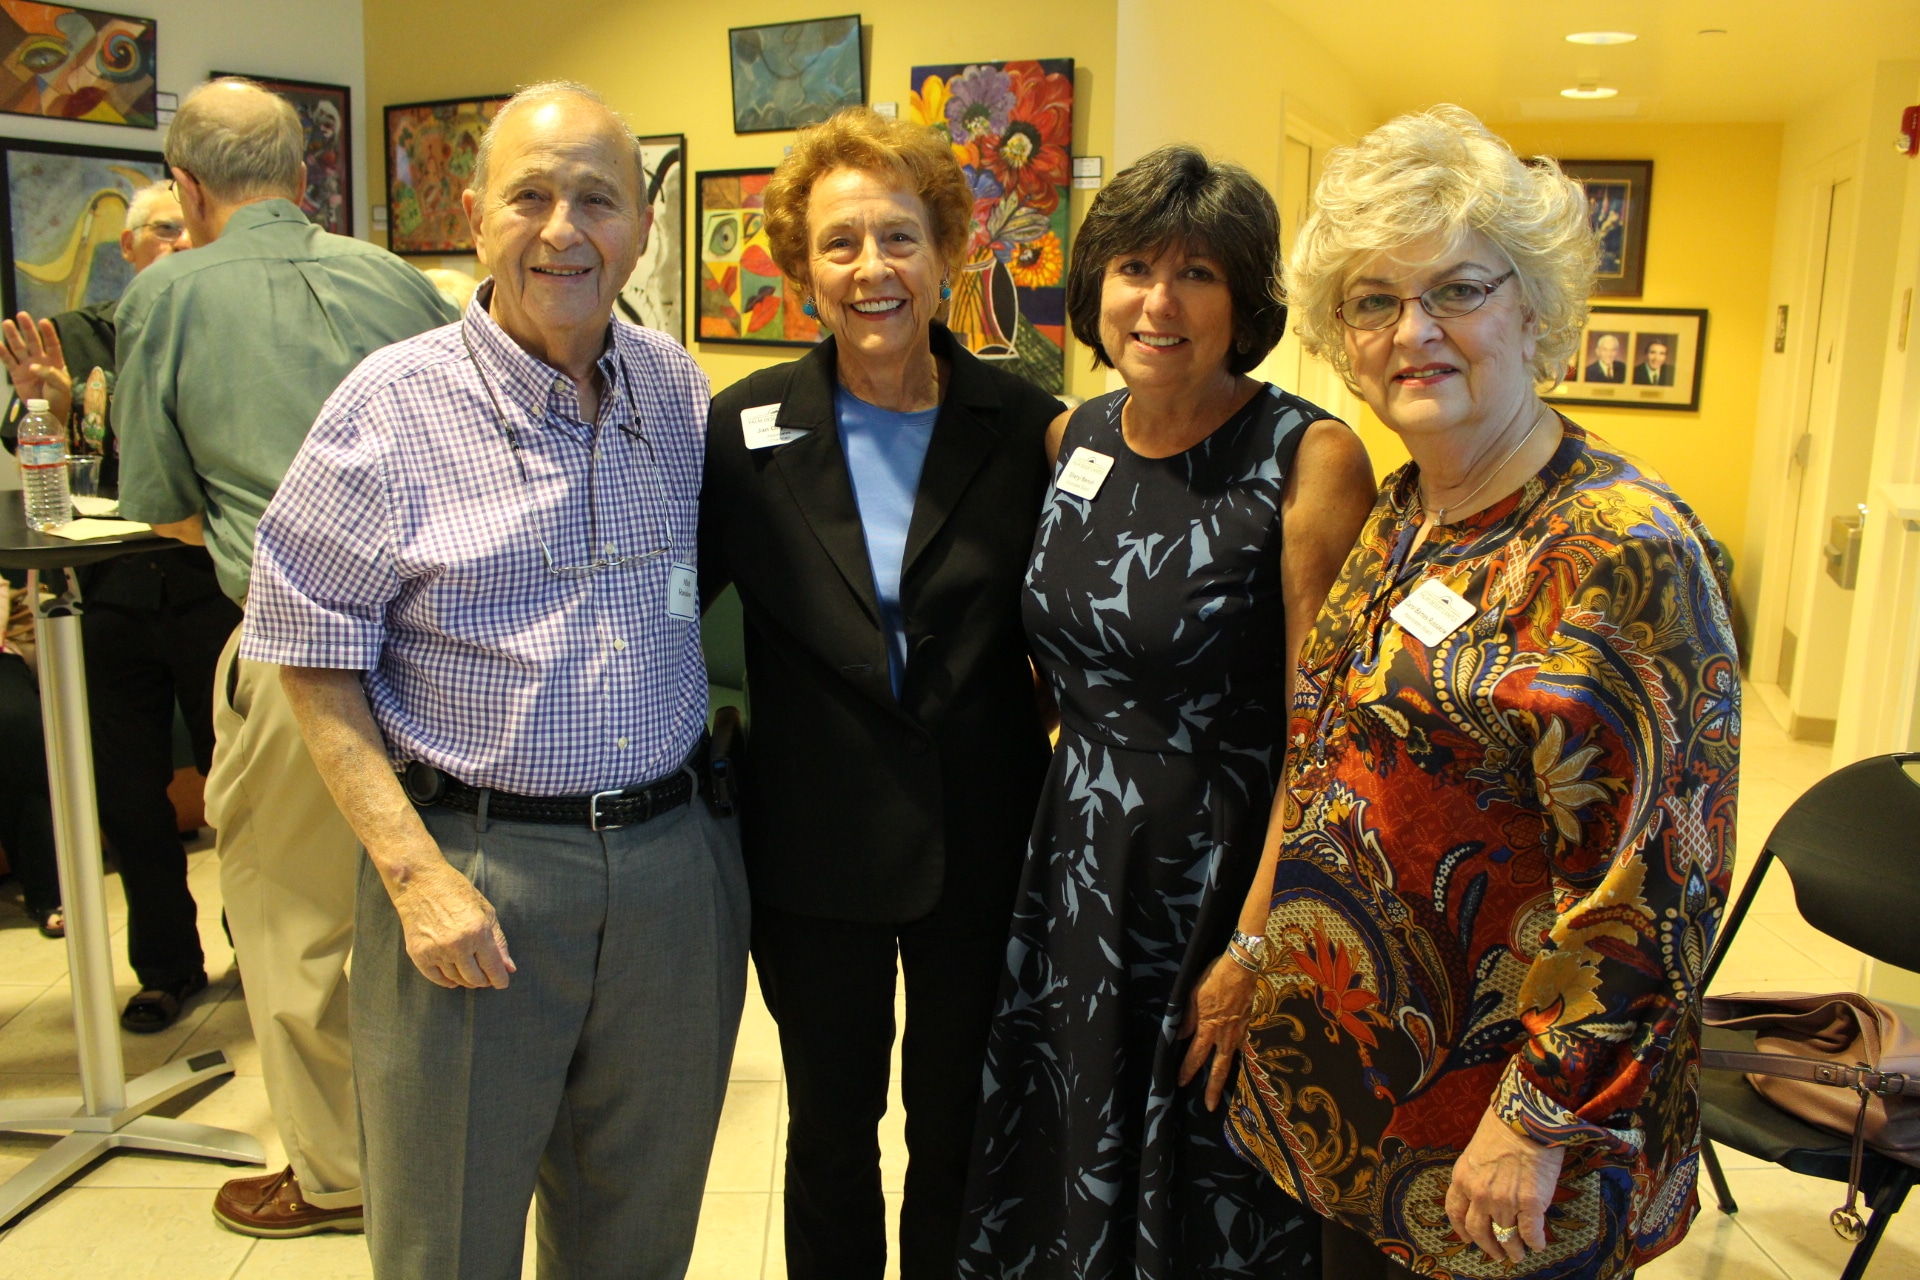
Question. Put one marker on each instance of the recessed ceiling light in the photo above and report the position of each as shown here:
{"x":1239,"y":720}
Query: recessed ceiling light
{"x":1602,"y":37}
{"x":1712,"y":31}
{"x":1592,"y":91}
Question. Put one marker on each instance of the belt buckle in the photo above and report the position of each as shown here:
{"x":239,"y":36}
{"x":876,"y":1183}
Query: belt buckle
{"x":593,"y":810}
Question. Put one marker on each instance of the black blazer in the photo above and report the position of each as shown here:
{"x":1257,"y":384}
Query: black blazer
{"x":857,"y":806}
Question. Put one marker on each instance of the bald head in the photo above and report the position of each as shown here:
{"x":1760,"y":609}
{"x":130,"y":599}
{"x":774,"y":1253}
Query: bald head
{"x":239,"y":141}
{"x":571,"y":107}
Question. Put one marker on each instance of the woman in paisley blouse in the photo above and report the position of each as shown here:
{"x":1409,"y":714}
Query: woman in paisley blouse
{"x":1509,"y":801}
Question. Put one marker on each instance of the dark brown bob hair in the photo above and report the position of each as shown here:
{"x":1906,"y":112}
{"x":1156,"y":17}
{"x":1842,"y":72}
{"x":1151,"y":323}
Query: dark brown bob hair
{"x":1176,"y":196}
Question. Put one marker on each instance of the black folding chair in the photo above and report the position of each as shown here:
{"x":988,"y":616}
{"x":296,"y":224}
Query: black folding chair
{"x":1851,"y":847}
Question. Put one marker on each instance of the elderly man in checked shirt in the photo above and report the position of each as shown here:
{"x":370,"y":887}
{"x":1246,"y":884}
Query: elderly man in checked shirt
{"x":478,"y":579}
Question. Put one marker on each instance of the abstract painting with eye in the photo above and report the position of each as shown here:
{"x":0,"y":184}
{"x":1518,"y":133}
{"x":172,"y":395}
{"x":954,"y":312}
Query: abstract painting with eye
{"x":66,"y":63}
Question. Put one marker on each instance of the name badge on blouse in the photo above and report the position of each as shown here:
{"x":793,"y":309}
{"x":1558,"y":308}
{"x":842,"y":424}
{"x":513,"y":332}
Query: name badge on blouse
{"x":1086,"y":472}
{"x":683,"y":593}
{"x":1432,"y":612}
{"x":758,"y":426}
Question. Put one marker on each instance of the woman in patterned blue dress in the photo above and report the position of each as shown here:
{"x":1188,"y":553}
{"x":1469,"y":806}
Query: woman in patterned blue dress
{"x":1196,"y":521}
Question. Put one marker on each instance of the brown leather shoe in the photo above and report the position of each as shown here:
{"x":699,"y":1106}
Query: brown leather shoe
{"x":271,"y":1206}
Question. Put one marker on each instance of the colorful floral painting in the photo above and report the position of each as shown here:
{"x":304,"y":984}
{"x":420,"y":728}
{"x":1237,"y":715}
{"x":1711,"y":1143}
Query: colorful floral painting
{"x":655,"y":294}
{"x":431,"y":149}
{"x":76,"y":64}
{"x":1011,"y":126}
{"x":743,"y":296}
{"x":792,"y":74}
{"x":64,"y":207}
{"x":325,"y":118}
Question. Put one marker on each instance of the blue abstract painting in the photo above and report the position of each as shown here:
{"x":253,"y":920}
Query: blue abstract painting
{"x":792,"y":74}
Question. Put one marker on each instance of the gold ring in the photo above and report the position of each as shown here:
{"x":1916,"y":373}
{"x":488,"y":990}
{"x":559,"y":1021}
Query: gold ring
{"x":1504,"y":1234}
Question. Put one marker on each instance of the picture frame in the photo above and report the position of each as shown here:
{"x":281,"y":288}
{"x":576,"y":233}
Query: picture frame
{"x":1619,"y":198}
{"x":431,"y":148}
{"x":655,"y":295}
{"x":790,"y":74}
{"x":63,"y":203}
{"x":326,"y":117}
{"x":1638,"y":358}
{"x":743,"y":299}
{"x":63,"y":62}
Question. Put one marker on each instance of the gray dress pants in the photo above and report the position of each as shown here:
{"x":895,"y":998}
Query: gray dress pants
{"x":594,"y":1081}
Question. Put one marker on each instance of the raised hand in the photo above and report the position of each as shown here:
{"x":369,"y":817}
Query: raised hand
{"x":36,"y":365}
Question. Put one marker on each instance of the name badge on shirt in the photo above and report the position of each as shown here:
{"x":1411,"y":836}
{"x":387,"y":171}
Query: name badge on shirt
{"x":757,"y":425}
{"x":1086,"y":472}
{"x":1432,"y":612}
{"x":683,"y":593}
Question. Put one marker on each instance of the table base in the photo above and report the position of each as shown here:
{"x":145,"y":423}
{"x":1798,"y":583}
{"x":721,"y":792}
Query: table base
{"x":130,"y":1128}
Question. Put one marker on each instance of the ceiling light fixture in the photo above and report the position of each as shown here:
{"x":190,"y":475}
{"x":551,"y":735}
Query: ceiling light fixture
{"x":1712,"y":31}
{"x":1602,"y":37}
{"x":1589,"y":91}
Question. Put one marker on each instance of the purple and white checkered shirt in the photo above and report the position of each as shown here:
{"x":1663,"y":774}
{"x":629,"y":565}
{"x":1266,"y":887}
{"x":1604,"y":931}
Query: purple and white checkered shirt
{"x":403,"y":544}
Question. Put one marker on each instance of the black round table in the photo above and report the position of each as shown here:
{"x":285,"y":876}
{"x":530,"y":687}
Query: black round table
{"x":111,"y":1113}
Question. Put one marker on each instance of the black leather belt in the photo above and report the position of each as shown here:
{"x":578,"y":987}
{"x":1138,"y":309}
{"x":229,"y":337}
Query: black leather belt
{"x":427,"y":787}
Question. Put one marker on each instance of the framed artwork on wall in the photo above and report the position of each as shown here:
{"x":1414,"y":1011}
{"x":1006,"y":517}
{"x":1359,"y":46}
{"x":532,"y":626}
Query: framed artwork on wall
{"x":655,"y":295}
{"x":328,"y":122}
{"x":743,"y":297}
{"x":1638,"y":358}
{"x":1011,"y":126}
{"x":66,"y":63}
{"x":790,"y":74}
{"x":431,"y":148}
{"x":61,"y":213}
{"x":1619,"y":193}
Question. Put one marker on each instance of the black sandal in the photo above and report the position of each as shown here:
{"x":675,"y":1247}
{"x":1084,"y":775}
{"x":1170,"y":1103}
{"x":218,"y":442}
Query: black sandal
{"x":52,"y":922}
{"x":157,"y":1008}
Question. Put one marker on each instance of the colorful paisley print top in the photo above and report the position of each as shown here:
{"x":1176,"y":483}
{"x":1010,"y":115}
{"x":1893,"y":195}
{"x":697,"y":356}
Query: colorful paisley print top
{"x":1506,"y":856}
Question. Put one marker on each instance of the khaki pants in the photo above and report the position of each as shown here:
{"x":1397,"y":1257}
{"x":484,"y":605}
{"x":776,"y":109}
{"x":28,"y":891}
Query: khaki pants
{"x":287,"y":867}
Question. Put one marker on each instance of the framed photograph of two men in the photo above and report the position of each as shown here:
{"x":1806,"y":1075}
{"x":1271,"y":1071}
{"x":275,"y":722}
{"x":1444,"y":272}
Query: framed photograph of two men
{"x":1638,"y":358}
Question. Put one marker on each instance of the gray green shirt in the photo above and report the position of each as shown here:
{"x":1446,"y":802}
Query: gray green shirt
{"x":226,"y":354}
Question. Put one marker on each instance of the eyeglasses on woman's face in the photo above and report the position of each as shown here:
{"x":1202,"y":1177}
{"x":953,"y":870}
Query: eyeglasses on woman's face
{"x":1448,"y":300}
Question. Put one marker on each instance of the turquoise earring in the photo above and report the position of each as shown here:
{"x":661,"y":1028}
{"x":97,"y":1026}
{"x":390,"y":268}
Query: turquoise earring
{"x":808,"y":309}
{"x":946,"y":290}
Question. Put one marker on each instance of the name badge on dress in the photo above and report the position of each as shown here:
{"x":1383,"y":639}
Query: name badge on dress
{"x":757,"y":425}
{"x":1432,"y":612}
{"x":683,"y":593}
{"x":1086,"y":472}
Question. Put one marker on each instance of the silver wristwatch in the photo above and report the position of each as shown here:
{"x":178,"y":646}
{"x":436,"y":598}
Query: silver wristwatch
{"x":1246,"y":951}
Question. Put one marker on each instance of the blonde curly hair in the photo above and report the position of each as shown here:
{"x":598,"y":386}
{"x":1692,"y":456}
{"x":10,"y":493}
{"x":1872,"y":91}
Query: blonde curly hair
{"x":1441,"y":172}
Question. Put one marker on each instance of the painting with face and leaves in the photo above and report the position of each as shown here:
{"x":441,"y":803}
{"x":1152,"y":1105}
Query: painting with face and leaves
{"x":77,"y":64}
{"x":743,"y":296}
{"x":1011,"y":127}
{"x":655,"y":294}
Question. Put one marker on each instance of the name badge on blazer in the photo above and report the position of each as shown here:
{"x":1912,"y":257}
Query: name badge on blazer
{"x":761,"y":431}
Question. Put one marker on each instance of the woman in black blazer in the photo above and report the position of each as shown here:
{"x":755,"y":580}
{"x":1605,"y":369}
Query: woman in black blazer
{"x":875,"y":503}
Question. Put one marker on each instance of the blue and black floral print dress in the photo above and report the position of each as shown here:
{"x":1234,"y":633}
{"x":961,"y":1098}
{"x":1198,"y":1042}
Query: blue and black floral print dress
{"x":1156,"y":613}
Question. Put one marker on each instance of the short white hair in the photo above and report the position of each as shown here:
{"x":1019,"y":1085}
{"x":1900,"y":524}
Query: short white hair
{"x":1442,"y":173}
{"x":545,"y":91}
{"x":143,"y":201}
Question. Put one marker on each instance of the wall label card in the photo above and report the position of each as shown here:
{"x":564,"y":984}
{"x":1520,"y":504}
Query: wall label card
{"x":758,"y":426}
{"x":1086,"y":472}
{"x":1432,"y":612}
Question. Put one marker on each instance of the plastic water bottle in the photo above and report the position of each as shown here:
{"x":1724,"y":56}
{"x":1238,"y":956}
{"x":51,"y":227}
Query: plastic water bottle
{"x":43,"y":468}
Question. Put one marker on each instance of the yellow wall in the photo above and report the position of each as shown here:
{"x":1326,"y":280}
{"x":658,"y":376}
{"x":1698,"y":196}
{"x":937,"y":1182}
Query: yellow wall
{"x":1709,"y":244}
{"x":664,"y":66}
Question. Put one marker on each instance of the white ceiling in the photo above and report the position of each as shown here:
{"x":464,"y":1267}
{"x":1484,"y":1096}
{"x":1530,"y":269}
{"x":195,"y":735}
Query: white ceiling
{"x":1509,"y":59}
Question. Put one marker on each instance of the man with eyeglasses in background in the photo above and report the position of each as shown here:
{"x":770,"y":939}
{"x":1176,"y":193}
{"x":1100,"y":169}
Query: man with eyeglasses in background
{"x":153,"y":626}
{"x":226,"y":355}
{"x":479,"y":582}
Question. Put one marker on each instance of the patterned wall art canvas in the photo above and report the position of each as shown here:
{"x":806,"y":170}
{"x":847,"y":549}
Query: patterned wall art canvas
{"x":795,"y":73}
{"x":431,"y":148}
{"x":655,"y":294}
{"x":743,"y":296}
{"x":328,"y":122}
{"x":1619,"y":193}
{"x":76,"y":64}
{"x":64,"y":207}
{"x":1011,"y":126}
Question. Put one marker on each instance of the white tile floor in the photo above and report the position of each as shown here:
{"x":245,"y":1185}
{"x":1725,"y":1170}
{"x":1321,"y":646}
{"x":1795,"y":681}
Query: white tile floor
{"x":132,"y":1217}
